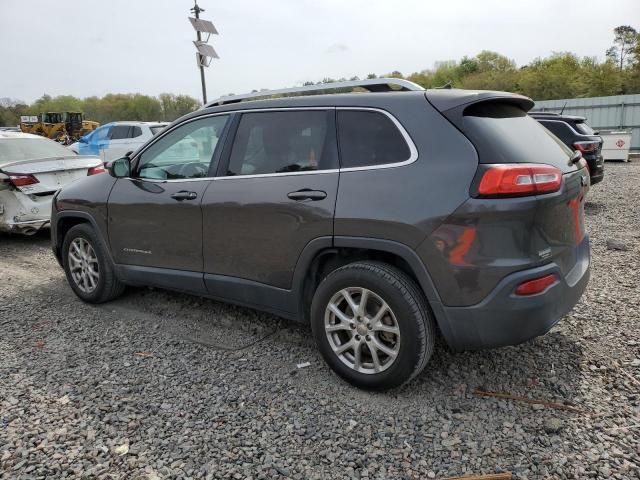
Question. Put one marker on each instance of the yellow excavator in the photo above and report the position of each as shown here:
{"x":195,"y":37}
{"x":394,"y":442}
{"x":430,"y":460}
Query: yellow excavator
{"x":64,"y":127}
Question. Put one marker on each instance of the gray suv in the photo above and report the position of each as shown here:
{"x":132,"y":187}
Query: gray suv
{"x":382,"y":218}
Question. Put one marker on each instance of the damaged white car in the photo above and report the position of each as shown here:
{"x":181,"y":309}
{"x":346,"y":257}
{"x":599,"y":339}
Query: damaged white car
{"x":32,"y":170}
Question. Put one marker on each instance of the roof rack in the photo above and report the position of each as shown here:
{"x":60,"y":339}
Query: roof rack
{"x":371,"y":85}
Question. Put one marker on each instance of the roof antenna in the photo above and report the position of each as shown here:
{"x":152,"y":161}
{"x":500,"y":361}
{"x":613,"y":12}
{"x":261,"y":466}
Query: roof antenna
{"x":446,"y":86}
{"x":565,"y":104}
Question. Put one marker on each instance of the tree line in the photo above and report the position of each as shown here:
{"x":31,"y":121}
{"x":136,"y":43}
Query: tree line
{"x":560,"y":75}
{"x":111,"y":107}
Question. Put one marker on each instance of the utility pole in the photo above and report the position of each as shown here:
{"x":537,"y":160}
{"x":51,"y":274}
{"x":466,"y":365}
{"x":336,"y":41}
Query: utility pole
{"x":196,"y":11}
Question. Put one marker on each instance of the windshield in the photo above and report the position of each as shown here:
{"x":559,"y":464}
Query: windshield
{"x":16,"y":149}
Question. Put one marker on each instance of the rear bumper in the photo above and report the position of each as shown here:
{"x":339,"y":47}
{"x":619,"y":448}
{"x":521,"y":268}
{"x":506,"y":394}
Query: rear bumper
{"x":21,"y":213}
{"x":504,"y":318}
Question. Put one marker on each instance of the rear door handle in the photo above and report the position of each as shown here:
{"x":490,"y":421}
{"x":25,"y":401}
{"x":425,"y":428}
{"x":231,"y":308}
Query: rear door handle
{"x":184,"y":195}
{"x":307,"y":194}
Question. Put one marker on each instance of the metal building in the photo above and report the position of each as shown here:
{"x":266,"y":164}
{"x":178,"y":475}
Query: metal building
{"x":619,"y":112}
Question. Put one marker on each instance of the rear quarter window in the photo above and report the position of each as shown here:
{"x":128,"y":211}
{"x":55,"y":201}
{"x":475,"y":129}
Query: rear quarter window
{"x":504,"y":133}
{"x":368,"y":138}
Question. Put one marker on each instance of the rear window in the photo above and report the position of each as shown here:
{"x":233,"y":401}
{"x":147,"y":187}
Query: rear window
{"x":504,"y":133}
{"x":15,"y":149}
{"x":584,"y":128}
{"x":368,"y":139}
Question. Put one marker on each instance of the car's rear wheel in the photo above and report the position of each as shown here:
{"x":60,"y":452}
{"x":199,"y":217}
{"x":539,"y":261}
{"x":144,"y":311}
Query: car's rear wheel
{"x":87,"y":267}
{"x":372,"y":325}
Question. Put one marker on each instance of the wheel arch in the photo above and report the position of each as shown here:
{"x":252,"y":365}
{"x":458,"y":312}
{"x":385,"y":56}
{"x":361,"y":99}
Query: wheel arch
{"x":68,"y":219}
{"x":320,"y":258}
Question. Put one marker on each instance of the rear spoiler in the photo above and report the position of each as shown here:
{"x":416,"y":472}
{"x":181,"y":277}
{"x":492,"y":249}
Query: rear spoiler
{"x":454,"y":99}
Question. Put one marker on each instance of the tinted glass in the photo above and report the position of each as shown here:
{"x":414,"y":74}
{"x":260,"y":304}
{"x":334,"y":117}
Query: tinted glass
{"x":15,"y":149}
{"x":280,"y":142}
{"x":135,"y":132}
{"x":584,"y":128}
{"x":119,"y":132}
{"x":186,"y":152}
{"x":560,"y":130}
{"x":369,"y":138}
{"x":504,"y":133}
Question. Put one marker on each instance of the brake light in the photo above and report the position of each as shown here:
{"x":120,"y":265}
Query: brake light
{"x":537,"y":285}
{"x":587,"y":147}
{"x":96,"y":170}
{"x":18,"y":180}
{"x":518,"y":179}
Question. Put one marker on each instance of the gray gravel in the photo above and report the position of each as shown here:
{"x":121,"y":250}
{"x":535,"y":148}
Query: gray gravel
{"x":163,"y":385}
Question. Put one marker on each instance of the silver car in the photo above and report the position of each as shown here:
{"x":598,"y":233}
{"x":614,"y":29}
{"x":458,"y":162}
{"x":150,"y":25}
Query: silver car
{"x":32,"y":170}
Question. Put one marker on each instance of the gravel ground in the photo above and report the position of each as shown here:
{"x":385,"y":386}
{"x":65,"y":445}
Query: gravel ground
{"x":164,"y":385}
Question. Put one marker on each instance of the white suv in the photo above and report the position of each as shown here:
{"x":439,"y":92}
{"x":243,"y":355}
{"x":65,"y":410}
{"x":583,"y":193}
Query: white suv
{"x":115,"y":139}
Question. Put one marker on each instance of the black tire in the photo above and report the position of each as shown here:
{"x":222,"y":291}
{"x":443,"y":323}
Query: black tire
{"x":108,"y":286}
{"x":410,"y":309}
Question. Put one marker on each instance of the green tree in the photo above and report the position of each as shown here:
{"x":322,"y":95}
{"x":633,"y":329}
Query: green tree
{"x":624,"y":44}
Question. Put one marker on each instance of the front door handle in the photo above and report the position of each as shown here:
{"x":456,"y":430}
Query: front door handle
{"x":307,"y":194}
{"x":184,"y":195}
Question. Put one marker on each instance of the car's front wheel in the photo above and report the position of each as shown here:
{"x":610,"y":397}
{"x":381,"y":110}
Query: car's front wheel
{"x":87,"y":267}
{"x":372,"y":325}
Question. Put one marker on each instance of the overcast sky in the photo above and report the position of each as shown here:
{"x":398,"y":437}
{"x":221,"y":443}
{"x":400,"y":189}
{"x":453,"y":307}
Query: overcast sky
{"x":94,"y":47}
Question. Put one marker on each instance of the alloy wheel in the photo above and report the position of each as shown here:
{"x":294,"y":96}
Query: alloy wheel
{"x":83,"y":264}
{"x":362,"y":330}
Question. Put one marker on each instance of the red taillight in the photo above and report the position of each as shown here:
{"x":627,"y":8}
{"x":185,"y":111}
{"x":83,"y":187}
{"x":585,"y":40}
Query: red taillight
{"x":537,"y":285}
{"x":519,"y":179}
{"x":18,"y":180}
{"x":96,"y":170}
{"x":587,"y":147}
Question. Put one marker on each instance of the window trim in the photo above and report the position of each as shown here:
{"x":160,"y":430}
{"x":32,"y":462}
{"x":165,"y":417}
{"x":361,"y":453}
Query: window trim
{"x":413,"y":151}
{"x":230,"y":138}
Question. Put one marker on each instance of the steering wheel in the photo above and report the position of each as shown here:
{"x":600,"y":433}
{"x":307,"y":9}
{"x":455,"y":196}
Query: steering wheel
{"x":192,"y":170}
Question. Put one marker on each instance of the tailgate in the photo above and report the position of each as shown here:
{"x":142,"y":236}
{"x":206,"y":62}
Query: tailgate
{"x":559,"y":221}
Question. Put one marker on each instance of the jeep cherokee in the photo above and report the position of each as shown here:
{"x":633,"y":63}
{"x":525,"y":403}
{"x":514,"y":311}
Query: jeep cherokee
{"x":379,"y":218}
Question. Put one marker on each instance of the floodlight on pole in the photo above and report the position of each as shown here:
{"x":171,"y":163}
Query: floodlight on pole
{"x":205,"y":53}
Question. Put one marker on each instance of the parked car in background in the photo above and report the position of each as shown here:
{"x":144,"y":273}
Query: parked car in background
{"x":10,"y":129}
{"x":32,"y":170}
{"x":116,"y":139}
{"x":576,"y":134}
{"x":376,"y":217}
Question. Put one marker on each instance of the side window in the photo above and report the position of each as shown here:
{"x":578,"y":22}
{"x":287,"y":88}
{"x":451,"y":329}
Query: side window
{"x":186,"y":152}
{"x":280,"y":142}
{"x":369,"y":138}
{"x":560,"y":130}
{"x":135,"y":132}
{"x":118,"y":132}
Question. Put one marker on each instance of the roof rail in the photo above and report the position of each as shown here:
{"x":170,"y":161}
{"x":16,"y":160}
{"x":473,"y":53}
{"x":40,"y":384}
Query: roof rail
{"x":371,"y":85}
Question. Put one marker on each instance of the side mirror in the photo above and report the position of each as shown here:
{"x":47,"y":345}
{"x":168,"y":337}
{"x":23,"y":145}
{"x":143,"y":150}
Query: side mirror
{"x":120,"y":168}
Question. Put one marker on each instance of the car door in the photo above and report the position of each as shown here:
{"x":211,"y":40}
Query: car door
{"x":274,"y":194}
{"x":118,"y":144}
{"x":155,"y":219}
